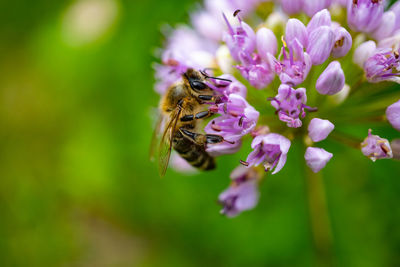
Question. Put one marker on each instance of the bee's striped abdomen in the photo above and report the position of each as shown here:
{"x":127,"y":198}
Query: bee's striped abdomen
{"x":193,"y":153}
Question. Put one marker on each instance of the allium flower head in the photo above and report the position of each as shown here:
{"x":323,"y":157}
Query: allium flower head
{"x":273,"y":77}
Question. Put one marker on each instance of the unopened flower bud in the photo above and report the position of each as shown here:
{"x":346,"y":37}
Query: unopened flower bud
{"x":208,"y":25}
{"x":393,"y":115}
{"x":266,"y":43}
{"x":291,"y":7}
{"x":317,"y":158}
{"x":364,"y":15}
{"x":393,"y":41}
{"x":322,"y":18}
{"x":341,"y":96}
{"x":343,"y":42}
{"x":296,"y":29}
{"x":331,"y":81}
{"x":386,"y":26}
{"x":313,"y":6}
{"x":321,"y":41}
{"x":276,"y":21}
{"x":363,"y":52}
{"x":319,"y":129}
{"x":396,"y":9}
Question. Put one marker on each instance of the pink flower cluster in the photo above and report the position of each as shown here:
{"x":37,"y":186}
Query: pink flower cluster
{"x":299,"y":67}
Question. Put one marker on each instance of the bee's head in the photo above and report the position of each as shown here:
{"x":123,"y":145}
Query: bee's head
{"x":196,"y":81}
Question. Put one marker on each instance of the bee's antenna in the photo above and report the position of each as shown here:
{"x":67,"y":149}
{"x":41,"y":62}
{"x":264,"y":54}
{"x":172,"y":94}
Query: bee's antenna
{"x":210,"y":77}
{"x":221,"y":79}
{"x":206,"y":69}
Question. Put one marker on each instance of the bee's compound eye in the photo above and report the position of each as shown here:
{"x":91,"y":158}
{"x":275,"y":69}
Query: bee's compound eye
{"x":197,"y":85}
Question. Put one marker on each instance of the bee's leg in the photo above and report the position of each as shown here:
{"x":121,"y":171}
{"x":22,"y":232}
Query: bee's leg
{"x":200,"y":115}
{"x":214,"y":99}
{"x":206,"y":97}
{"x":202,"y":139}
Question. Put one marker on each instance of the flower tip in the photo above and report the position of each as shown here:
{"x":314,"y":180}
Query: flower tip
{"x":266,"y":43}
{"x":295,"y":29}
{"x":332,"y":79}
{"x":321,"y":18}
{"x":363,"y":52}
{"x":319,"y":129}
{"x":321,"y":41}
{"x":386,"y":27}
{"x":317,"y":158}
{"x":291,"y":7}
{"x":312,"y":7}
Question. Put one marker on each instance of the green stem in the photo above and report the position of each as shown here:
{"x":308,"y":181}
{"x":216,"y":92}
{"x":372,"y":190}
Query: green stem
{"x":346,"y":139}
{"x":357,"y":86}
{"x":319,"y":217}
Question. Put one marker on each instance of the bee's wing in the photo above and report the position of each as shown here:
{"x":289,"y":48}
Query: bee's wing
{"x":156,"y":137}
{"x":166,"y":142}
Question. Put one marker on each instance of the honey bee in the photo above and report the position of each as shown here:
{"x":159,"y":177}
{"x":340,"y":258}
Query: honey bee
{"x":182,"y":106}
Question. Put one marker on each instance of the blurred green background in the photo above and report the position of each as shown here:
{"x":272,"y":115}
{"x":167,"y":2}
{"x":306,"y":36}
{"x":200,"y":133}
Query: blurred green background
{"x":76,"y":185}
